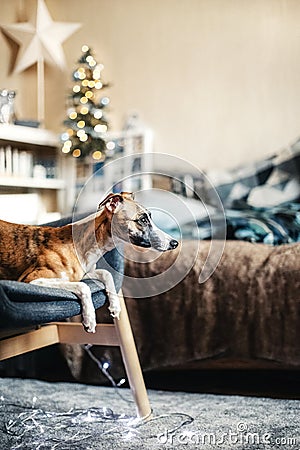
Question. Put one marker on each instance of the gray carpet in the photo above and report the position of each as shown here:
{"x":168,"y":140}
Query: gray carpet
{"x":65,"y":416}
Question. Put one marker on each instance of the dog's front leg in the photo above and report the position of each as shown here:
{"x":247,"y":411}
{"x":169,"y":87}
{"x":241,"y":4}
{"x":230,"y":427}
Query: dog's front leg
{"x":107,"y":279}
{"x":82,"y":291}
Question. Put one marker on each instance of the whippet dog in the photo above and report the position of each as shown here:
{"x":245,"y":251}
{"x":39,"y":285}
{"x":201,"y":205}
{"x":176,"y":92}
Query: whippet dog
{"x":60,"y":257}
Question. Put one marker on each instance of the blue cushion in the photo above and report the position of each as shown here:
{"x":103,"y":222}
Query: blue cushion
{"x":23,"y":304}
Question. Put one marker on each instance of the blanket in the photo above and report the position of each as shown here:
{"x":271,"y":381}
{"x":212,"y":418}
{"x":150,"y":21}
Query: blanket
{"x":252,"y":317}
{"x":275,"y":226}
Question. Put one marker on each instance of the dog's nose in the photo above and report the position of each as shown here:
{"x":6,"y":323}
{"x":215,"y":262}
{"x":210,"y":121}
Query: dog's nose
{"x":173,"y":244}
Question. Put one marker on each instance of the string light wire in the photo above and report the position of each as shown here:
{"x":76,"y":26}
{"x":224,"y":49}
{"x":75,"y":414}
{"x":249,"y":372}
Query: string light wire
{"x":38,"y":428}
{"x":104,"y":370}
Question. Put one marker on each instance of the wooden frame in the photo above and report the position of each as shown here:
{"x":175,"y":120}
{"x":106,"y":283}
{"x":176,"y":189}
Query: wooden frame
{"x":117,"y":334}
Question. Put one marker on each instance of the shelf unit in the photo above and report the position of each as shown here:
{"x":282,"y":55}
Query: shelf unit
{"x":52,"y":185}
{"x":126,"y":168}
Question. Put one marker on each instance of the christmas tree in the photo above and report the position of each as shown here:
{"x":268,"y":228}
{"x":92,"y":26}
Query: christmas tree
{"x":86,"y":122}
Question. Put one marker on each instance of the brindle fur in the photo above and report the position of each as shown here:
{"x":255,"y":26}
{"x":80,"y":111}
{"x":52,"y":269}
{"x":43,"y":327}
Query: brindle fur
{"x":29,"y":252}
{"x":60,"y":257}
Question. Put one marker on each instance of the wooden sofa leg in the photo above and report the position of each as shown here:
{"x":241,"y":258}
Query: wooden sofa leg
{"x":131,"y":362}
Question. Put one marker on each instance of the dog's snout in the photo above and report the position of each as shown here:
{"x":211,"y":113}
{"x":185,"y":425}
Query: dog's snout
{"x":173,"y":244}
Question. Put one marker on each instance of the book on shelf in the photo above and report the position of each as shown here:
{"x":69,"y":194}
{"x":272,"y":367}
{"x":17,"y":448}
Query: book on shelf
{"x":15,"y":163}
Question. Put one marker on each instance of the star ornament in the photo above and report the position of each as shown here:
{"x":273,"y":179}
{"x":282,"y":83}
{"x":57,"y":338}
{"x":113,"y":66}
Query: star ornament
{"x":40,"y":39}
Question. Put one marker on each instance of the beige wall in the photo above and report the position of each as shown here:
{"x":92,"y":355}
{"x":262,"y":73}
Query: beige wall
{"x":217,"y":80}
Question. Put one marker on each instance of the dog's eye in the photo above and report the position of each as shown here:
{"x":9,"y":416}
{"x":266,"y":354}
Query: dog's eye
{"x":143,"y":220}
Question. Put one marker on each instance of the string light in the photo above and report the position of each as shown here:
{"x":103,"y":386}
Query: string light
{"x":64,"y":136}
{"x":84,"y":100}
{"x":40,"y":428}
{"x":83,"y":138}
{"x":105,"y":371}
{"x":32,"y":426}
{"x":67,"y":147}
{"x":87,"y":100}
{"x":81,"y":73}
{"x":67,"y":144}
{"x":98,"y":113}
{"x":80,"y":133}
{"x":105,"y":101}
{"x":73,"y":115}
{"x":97,"y":155}
{"x":100,"y":128}
{"x":97,"y":73}
{"x":76,"y":153}
{"x":110,"y":145}
{"x":106,"y":365}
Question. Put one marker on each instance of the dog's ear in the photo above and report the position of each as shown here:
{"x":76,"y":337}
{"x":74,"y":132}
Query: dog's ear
{"x":102,"y":203}
{"x":113,"y":203}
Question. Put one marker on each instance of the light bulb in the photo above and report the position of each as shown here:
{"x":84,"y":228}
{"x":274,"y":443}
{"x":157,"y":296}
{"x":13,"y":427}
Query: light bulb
{"x":98,"y":113}
{"x":83,"y":100}
{"x":76,"y":153}
{"x":110,"y":145}
{"x":83,"y":138}
{"x":105,"y":101}
{"x":73,"y":115}
{"x":97,"y":155}
{"x":100,"y":128}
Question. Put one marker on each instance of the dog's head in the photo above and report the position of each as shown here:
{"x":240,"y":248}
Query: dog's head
{"x":131,"y":222}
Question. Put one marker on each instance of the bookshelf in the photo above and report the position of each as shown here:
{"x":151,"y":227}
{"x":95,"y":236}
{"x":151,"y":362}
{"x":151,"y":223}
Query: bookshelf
{"x":126,"y":168}
{"x":31,"y":163}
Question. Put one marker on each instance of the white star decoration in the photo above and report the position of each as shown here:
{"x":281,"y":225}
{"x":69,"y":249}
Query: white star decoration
{"x":40,"y":39}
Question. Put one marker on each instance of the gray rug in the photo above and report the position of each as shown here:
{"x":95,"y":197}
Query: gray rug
{"x":65,"y":416}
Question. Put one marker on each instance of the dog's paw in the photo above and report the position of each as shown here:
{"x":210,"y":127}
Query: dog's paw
{"x":89,"y":323}
{"x":114,"y":306}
